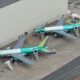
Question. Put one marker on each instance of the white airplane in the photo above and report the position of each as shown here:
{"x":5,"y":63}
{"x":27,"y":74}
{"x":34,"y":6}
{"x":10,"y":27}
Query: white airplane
{"x":60,"y":29}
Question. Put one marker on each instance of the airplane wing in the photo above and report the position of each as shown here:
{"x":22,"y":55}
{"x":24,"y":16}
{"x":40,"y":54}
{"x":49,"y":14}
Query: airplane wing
{"x":20,"y":56}
{"x":66,"y":34}
{"x":60,"y":22}
{"x":20,"y":43}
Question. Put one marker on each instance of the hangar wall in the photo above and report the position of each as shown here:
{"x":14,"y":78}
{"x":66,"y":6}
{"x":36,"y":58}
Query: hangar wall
{"x":24,"y":15}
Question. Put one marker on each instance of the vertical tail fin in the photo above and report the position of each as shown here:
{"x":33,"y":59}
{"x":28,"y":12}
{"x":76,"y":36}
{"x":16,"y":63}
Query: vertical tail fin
{"x":44,"y":42}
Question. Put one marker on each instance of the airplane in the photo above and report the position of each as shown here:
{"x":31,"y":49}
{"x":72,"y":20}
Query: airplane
{"x":17,"y":52}
{"x":59,"y":29}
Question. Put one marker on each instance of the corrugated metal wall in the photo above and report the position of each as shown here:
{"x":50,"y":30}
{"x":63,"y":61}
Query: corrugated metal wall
{"x":24,"y":15}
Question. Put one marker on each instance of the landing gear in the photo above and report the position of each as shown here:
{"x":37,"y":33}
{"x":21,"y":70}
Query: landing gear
{"x":14,"y":61}
{"x":76,"y":31}
{"x":42,"y":35}
{"x":57,"y":35}
{"x":36,"y":54}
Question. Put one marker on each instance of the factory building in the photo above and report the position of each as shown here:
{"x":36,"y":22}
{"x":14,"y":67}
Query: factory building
{"x":18,"y":16}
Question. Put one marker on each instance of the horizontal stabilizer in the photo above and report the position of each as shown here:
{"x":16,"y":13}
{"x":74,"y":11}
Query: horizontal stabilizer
{"x":8,"y":64}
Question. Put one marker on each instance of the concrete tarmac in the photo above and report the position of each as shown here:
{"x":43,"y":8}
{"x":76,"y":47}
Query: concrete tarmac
{"x":67,"y":50}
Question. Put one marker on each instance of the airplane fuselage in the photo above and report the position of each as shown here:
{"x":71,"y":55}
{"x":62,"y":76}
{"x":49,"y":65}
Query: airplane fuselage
{"x":29,"y":50}
{"x":57,"y":28}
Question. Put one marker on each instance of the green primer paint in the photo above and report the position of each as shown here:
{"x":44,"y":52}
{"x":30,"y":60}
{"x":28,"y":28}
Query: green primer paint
{"x":71,"y":27}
